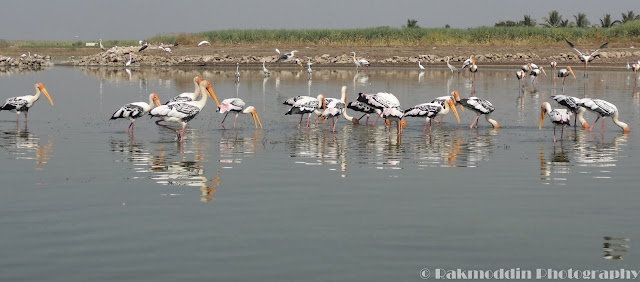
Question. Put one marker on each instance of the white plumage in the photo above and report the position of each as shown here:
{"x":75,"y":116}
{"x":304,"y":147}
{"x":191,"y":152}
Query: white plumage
{"x":303,"y":105}
{"x":237,"y":106}
{"x":379,"y":101}
{"x":603,"y":109}
{"x":480,"y":107}
{"x":24,"y":103}
{"x":188,"y":96}
{"x":559,"y":117}
{"x":133,"y":111}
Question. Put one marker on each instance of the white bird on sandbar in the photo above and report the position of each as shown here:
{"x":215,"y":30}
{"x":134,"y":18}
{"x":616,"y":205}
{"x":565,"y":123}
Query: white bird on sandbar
{"x":450,"y":66}
{"x":481,"y":107}
{"x":360,"y":62}
{"x":237,"y":106}
{"x":183,"y":112}
{"x":24,"y":103}
{"x":264,"y":68}
{"x":203,"y":42}
{"x":287,"y":56}
{"x":559,"y":117}
{"x":133,"y":111}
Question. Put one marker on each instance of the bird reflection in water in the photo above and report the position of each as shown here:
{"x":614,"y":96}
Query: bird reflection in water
{"x":615,"y":247}
{"x":556,"y":168}
{"x":234,"y":148}
{"x":23,"y":145}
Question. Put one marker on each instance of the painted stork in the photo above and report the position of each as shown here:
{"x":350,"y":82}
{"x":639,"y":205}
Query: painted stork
{"x":481,"y":107}
{"x":431,"y":111}
{"x":144,"y":47}
{"x":188,"y":96}
{"x":564,"y":73}
{"x":133,"y":111}
{"x":363,"y":108}
{"x":303,"y":105}
{"x":237,"y":106}
{"x":183,"y":112}
{"x":586,"y":58}
{"x":286,"y":57}
{"x":467,"y":62}
{"x":573,"y":105}
{"x":360,"y":62}
{"x":336,"y":107}
{"x":536,"y":72}
{"x":394,"y":114}
{"x":520,"y":76}
{"x":24,"y":103}
{"x":379,"y":102}
{"x":603,"y":109}
{"x":442,"y":100}
{"x":559,"y":117}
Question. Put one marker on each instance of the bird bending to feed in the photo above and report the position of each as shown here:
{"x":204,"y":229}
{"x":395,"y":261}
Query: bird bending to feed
{"x":286,"y":57}
{"x":203,"y":42}
{"x":573,"y":105}
{"x":467,"y":62}
{"x":564,"y":73}
{"x":536,"y":72}
{"x":604,"y":109}
{"x":420,"y":66}
{"x":559,"y":117}
{"x":442,"y":100}
{"x":237,"y":106}
{"x":431,"y":111}
{"x":183,"y":112}
{"x":394,"y":114}
{"x":132,"y":111}
{"x":363,"y":108}
{"x":188,"y":96}
{"x":379,"y":102}
{"x":586,"y":58}
{"x":481,"y":107}
{"x":303,"y":105}
{"x":520,"y":76}
{"x":360,"y":62}
{"x":24,"y":103}
{"x":264,"y":68}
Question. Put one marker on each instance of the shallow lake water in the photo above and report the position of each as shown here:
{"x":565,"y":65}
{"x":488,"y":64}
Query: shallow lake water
{"x":81,"y":199}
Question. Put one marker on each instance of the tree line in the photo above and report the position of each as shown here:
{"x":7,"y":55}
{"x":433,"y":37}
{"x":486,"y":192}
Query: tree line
{"x":580,"y":21}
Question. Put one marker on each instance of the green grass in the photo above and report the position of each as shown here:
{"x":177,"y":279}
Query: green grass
{"x":383,"y":36}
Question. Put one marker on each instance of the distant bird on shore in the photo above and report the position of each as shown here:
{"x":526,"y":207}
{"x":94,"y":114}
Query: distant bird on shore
{"x":203,"y":42}
{"x":309,"y":70}
{"x":287,"y":56}
{"x":586,"y":58}
{"x":128,"y":63}
{"x":451,"y":67}
{"x":237,"y":72}
{"x":101,"y":46}
{"x":360,"y":62}
{"x":420,"y":66}
{"x":264,"y":68}
{"x":144,"y":47}
{"x":278,"y":51}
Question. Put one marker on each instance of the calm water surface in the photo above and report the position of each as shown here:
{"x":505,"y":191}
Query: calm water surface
{"x":82,"y":200}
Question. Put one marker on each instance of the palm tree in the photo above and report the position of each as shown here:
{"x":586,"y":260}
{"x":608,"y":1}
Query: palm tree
{"x":527,"y":21}
{"x":554,"y":19}
{"x":581,"y":20}
{"x":629,"y":16}
{"x":411,"y":23}
{"x":565,"y":23}
{"x":606,"y":22}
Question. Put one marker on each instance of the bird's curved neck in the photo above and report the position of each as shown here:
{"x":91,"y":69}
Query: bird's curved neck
{"x":619,"y":123}
{"x":37,"y":95}
{"x":491,"y":121}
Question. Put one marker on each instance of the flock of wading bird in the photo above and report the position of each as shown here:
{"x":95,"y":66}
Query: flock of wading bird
{"x":186,"y":106}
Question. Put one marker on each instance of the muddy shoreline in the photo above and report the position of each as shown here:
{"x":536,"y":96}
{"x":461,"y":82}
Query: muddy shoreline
{"x":329,"y":56}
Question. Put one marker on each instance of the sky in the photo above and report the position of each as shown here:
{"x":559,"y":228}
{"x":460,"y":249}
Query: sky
{"x":138,"y":19}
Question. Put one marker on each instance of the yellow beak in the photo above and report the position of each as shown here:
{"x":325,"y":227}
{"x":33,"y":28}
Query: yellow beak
{"x":46,"y":93}
{"x":212,"y":94}
{"x":543,"y":112}
{"x":571,"y":70}
{"x":256,"y":118}
{"x":453,"y":108}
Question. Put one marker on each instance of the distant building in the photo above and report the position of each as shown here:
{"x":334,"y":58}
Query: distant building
{"x":91,"y":44}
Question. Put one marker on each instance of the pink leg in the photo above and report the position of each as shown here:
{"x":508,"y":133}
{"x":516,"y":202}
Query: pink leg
{"x":554,"y":134}
{"x":300,"y":123}
{"x":235,"y":121}
{"x":130,"y":127}
{"x":26,"y":120}
{"x":602,"y":127}
{"x":367,"y":122}
{"x":309,"y":119}
{"x":424,"y":129}
{"x":594,"y":123}
{"x":335,"y":121}
{"x":474,"y":122}
{"x":374,"y":122}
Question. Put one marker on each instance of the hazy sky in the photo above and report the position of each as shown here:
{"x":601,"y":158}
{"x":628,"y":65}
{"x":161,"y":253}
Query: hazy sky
{"x":134,"y":19}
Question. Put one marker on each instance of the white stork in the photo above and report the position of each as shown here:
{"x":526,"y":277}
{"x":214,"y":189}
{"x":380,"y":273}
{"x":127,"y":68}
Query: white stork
{"x":481,"y":107}
{"x":559,"y":117}
{"x":133,"y":111}
{"x":183,"y":112}
{"x":101,"y":46}
{"x":604,"y":109}
{"x":237,"y":106}
{"x":237,"y":72}
{"x":24,"y":103}
{"x":188,"y":96}
{"x":309,"y":70}
{"x":586,"y":58}
{"x":573,"y":105}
